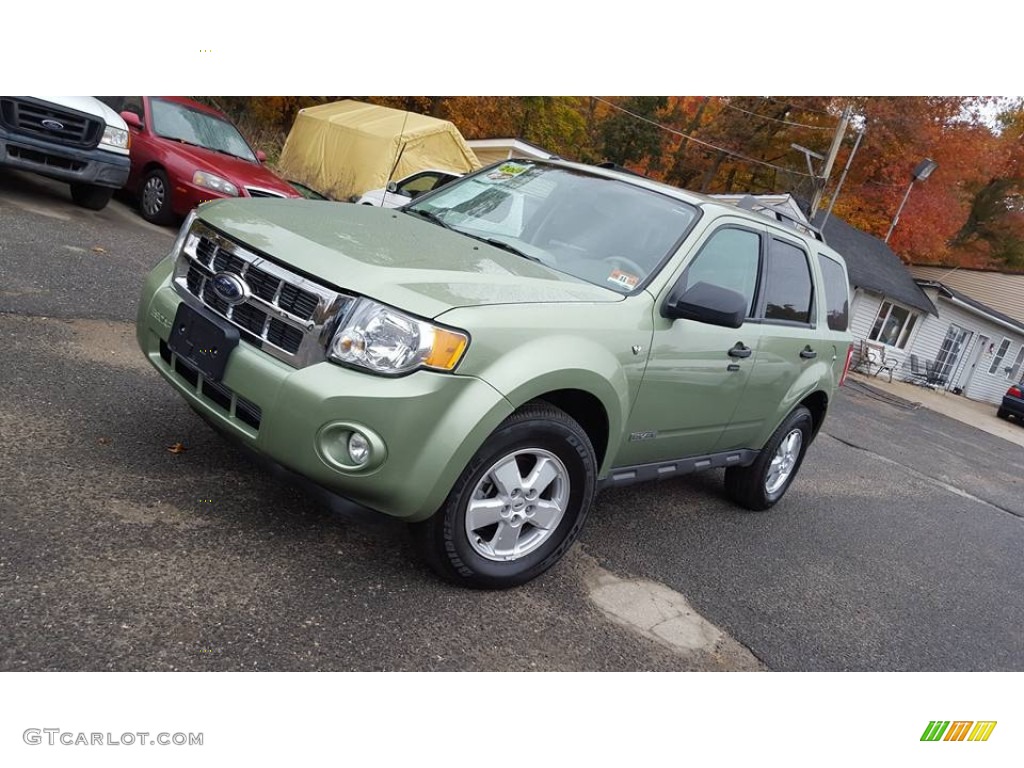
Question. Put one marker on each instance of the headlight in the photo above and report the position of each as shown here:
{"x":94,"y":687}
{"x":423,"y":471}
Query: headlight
{"x":183,"y":233}
{"x":114,"y":137}
{"x":384,"y":340}
{"x":214,"y":182}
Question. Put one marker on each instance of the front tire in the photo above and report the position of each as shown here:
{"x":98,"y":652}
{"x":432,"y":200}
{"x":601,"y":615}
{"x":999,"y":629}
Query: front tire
{"x":90,"y":196}
{"x":519,"y":504}
{"x":155,"y":198}
{"x":763,"y":483}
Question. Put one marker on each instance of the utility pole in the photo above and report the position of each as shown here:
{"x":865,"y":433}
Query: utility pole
{"x":849,"y":161}
{"x":837,"y":140}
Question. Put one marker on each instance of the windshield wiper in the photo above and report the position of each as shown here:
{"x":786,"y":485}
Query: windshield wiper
{"x":506,"y":247}
{"x":429,"y":216}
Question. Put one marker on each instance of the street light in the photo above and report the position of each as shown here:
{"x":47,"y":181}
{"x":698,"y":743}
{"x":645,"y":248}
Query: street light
{"x":921,"y":172}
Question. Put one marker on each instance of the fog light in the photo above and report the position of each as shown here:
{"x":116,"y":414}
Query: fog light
{"x":358,"y":449}
{"x":349,"y":447}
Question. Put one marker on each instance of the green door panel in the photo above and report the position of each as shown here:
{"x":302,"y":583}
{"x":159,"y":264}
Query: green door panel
{"x":689,"y":392}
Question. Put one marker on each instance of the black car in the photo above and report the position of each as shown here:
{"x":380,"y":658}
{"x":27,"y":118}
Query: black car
{"x":1013,"y":404}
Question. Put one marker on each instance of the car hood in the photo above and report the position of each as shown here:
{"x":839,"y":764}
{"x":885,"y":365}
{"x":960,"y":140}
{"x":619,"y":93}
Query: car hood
{"x":90,"y":105}
{"x":239,"y":172}
{"x":394,"y":257}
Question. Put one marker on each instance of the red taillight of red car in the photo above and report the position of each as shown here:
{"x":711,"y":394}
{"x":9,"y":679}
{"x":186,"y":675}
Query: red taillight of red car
{"x":1014,"y":392}
{"x":846,"y":365}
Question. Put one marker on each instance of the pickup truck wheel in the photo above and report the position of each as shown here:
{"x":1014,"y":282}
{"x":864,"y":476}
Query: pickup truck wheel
{"x":155,"y":199}
{"x":764,"y":482}
{"x":90,"y":196}
{"x":519,"y":504}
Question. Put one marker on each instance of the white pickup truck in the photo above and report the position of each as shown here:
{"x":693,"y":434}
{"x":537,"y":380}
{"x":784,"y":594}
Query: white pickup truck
{"x":77,"y":139}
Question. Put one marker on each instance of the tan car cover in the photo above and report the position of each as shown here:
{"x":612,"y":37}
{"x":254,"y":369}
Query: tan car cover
{"x":348,"y":147}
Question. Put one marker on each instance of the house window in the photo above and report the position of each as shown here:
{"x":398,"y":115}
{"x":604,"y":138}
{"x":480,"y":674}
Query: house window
{"x":1004,"y":345}
{"x":1014,"y":370}
{"x":893,"y":325}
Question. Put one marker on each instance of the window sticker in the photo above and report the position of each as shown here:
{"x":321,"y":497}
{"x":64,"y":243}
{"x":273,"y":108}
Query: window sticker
{"x":507,"y":171}
{"x":624,"y":279}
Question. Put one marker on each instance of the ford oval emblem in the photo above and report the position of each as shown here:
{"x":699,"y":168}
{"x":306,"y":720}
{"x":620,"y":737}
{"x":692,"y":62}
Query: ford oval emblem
{"x":52,"y":125}
{"x":230,"y":287}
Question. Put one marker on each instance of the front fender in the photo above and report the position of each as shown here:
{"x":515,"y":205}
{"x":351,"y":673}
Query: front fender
{"x":599,"y":350}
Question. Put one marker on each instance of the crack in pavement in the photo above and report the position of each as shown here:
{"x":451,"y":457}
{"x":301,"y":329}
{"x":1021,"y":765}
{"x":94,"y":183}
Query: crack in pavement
{"x":927,"y":478}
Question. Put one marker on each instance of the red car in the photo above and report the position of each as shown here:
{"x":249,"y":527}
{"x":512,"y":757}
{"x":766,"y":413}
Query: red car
{"x":184,"y":153}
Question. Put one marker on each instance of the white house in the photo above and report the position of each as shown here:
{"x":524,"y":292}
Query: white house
{"x":978,"y":350}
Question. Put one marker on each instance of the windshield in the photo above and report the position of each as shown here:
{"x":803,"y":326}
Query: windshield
{"x":604,"y":231}
{"x":181,"y":123}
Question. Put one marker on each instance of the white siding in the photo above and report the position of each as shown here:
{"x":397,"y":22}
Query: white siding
{"x":984,"y":386}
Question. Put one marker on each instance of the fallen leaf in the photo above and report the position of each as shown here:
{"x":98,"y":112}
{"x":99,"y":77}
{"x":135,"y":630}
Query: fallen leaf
{"x":98,"y":249}
{"x":104,"y":441}
{"x":176,"y":448}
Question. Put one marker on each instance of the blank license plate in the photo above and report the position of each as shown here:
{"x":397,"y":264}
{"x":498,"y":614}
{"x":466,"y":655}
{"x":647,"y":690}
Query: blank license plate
{"x":202,"y":340}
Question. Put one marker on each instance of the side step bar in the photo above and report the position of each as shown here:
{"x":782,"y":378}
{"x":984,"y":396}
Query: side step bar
{"x":641,"y":473}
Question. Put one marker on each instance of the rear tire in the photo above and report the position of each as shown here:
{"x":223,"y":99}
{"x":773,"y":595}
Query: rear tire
{"x":763,"y":483}
{"x":1002,"y":413}
{"x":90,"y":196}
{"x":518,"y":505}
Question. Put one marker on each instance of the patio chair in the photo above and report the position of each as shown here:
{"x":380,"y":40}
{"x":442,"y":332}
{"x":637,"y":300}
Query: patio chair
{"x":918,"y":373}
{"x":873,"y":356}
{"x":936,"y":378}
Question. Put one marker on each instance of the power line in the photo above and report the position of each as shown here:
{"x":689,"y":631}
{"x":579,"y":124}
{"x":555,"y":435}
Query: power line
{"x":686,"y":136}
{"x":776,"y":119}
{"x":798,"y":107}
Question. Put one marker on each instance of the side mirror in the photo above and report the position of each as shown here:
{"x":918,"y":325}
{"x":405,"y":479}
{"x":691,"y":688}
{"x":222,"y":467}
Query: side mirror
{"x":132,"y":120}
{"x":709,"y":304}
{"x":261,"y":155}
{"x":392,"y":186}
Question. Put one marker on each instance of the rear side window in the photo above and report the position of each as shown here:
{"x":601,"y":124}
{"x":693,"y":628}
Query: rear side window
{"x":788,"y":289}
{"x":837,"y":293}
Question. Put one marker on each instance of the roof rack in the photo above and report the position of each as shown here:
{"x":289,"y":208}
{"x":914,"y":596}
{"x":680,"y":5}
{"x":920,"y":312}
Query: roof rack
{"x":751,"y":203}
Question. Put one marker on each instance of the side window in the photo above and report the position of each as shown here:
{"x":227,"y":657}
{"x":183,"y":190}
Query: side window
{"x":729,"y":259}
{"x":788,"y":288}
{"x":419,"y":184}
{"x":837,"y":293}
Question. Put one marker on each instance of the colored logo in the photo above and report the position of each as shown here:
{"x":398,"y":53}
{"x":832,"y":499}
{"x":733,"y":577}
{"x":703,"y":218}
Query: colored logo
{"x":230,"y":287}
{"x":52,"y":125}
{"x":958,"y":730}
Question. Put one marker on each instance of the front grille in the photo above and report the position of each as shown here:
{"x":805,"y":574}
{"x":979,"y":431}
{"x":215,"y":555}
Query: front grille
{"x":228,"y":401}
{"x":283,"y":313}
{"x":257,"y":192}
{"x":46,"y":121}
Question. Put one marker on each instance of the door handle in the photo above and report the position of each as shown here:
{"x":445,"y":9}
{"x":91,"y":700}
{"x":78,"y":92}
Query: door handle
{"x":740,"y":350}
{"x":807,"y":353}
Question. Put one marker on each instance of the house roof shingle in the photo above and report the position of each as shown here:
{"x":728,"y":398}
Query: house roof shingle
{"x":871,"y":264}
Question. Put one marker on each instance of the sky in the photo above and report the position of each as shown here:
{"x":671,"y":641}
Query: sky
{"x":529,"y":48}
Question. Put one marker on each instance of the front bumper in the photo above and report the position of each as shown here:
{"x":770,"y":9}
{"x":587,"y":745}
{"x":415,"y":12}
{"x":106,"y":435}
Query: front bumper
{"x":71,"y":164}
{"x":430,"y":424}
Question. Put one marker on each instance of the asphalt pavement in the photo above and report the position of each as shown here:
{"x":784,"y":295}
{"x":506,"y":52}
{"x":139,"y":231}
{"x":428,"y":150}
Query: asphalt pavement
{"x":898,"y":548}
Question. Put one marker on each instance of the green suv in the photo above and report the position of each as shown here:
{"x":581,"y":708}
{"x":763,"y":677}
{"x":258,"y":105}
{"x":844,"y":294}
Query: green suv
{"x":482,"y":361}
